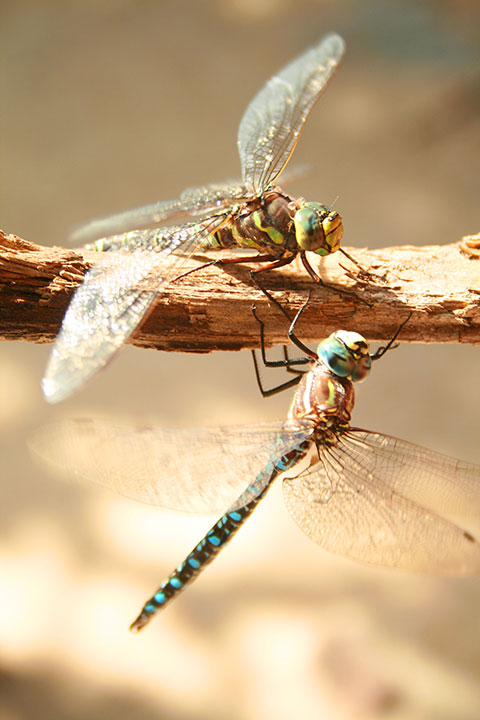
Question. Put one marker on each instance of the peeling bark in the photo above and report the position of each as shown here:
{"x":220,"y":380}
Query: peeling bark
{"x":211,"y":309}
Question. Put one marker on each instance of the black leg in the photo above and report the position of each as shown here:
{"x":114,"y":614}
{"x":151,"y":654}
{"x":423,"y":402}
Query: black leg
{"x":316,"y":278}
{"x":355,"y":262}
{"x":291,"y":332}
{"x":272,"y":391}
{"x":390,"y":345}
{"x":286,"y":362}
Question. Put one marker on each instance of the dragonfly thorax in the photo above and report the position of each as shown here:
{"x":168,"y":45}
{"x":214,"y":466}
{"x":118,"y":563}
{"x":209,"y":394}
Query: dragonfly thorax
{"x":265,"y":224}
{"x":324,"y":399}
{"x":317,"y":228}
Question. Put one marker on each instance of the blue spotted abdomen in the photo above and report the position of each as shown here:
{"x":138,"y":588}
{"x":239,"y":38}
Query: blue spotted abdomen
{"x":217,"y":537}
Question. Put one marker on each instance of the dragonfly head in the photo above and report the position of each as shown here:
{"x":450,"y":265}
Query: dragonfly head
{"x":318,"y":229}
{"x":346,"y":355}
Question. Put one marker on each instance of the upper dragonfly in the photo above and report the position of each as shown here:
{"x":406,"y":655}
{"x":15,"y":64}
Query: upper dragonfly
{"x":142,"y":250}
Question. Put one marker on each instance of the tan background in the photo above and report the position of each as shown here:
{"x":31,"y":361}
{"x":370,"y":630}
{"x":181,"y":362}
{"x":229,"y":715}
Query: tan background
{"x":107,"y":105}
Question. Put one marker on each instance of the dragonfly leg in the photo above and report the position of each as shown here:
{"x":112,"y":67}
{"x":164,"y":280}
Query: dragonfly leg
{"x":290,"y":361}
{"x":255,"y":258}
{"x":363,"y":273}
{"x":287,"y":362}
{"x":192,"y":270}
{"x":278,"y":388}
{"x":316,"y":278}
{"x":291,"y":331}
{"x":391,"y":345}
{"x":222,"y":261}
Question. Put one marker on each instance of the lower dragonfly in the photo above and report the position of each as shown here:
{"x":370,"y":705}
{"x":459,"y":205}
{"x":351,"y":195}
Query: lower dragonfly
{"x":362,"y":494}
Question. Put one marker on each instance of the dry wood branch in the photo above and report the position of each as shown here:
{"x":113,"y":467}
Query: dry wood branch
{"x":211,"y":309}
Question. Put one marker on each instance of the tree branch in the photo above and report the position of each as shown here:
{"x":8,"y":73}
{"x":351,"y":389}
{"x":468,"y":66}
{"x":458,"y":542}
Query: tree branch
{"x":211,"y":309}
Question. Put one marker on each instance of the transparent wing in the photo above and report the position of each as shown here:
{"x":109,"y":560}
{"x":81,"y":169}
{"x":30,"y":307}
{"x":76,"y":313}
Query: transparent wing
{"x":114,"y":298}
{"x":383,"y":501}
{"x":190,"y":470}
{"x":273,"y":121}
{"x":196,"y":202}
{"x":441,"y":483}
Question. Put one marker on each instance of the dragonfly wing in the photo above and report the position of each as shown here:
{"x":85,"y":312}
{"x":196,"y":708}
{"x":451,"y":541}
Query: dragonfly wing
{"x":195,"y":202}
{"x":443,"y":484}
{"x":133,"y":219}
{"x":213,"y":196}
{"x":104,"y":311}
{"x":114,"y":298}
{"x":201,"y":470}
{"x":273,"y":121}
{"x":357,"y":508}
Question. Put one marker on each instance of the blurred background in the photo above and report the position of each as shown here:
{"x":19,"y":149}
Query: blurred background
{"x":108,"y":105}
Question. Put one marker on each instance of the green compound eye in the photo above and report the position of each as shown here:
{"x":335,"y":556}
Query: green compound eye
{"x":308,"y":229}
{"x":318,"y":229}
{"x":345,"y":354}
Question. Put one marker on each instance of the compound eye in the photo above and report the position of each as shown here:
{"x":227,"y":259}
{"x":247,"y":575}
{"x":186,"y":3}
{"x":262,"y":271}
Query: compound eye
{"x":321,"y":210}
{"x":308,"y":229}
{"x":345,"y":354}
{"x":342,"y":364}
{"x":317,"y":228}
{"x":362,"y":368}
{"x":333,"y":353}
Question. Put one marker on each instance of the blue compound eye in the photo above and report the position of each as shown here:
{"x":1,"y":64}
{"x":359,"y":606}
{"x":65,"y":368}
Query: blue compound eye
{"x":345,"y":354}
{"x":342,"y":366}
{"x":333,"y":353}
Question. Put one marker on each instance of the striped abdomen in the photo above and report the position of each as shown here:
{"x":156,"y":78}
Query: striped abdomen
{"x":217,"y":537}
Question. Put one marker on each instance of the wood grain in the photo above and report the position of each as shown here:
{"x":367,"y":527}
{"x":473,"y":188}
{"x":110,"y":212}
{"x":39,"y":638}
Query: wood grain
{"x":211,"y":309}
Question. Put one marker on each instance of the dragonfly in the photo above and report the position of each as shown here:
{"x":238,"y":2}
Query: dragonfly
{"x":362,"y":494}
{"x":141,"y":251}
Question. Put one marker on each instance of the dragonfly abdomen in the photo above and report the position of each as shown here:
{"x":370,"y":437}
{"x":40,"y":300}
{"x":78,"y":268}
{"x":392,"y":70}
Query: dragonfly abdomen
{"x":201,"y":556}
{"x":217,"y":537}
{"x":194,"y":563}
